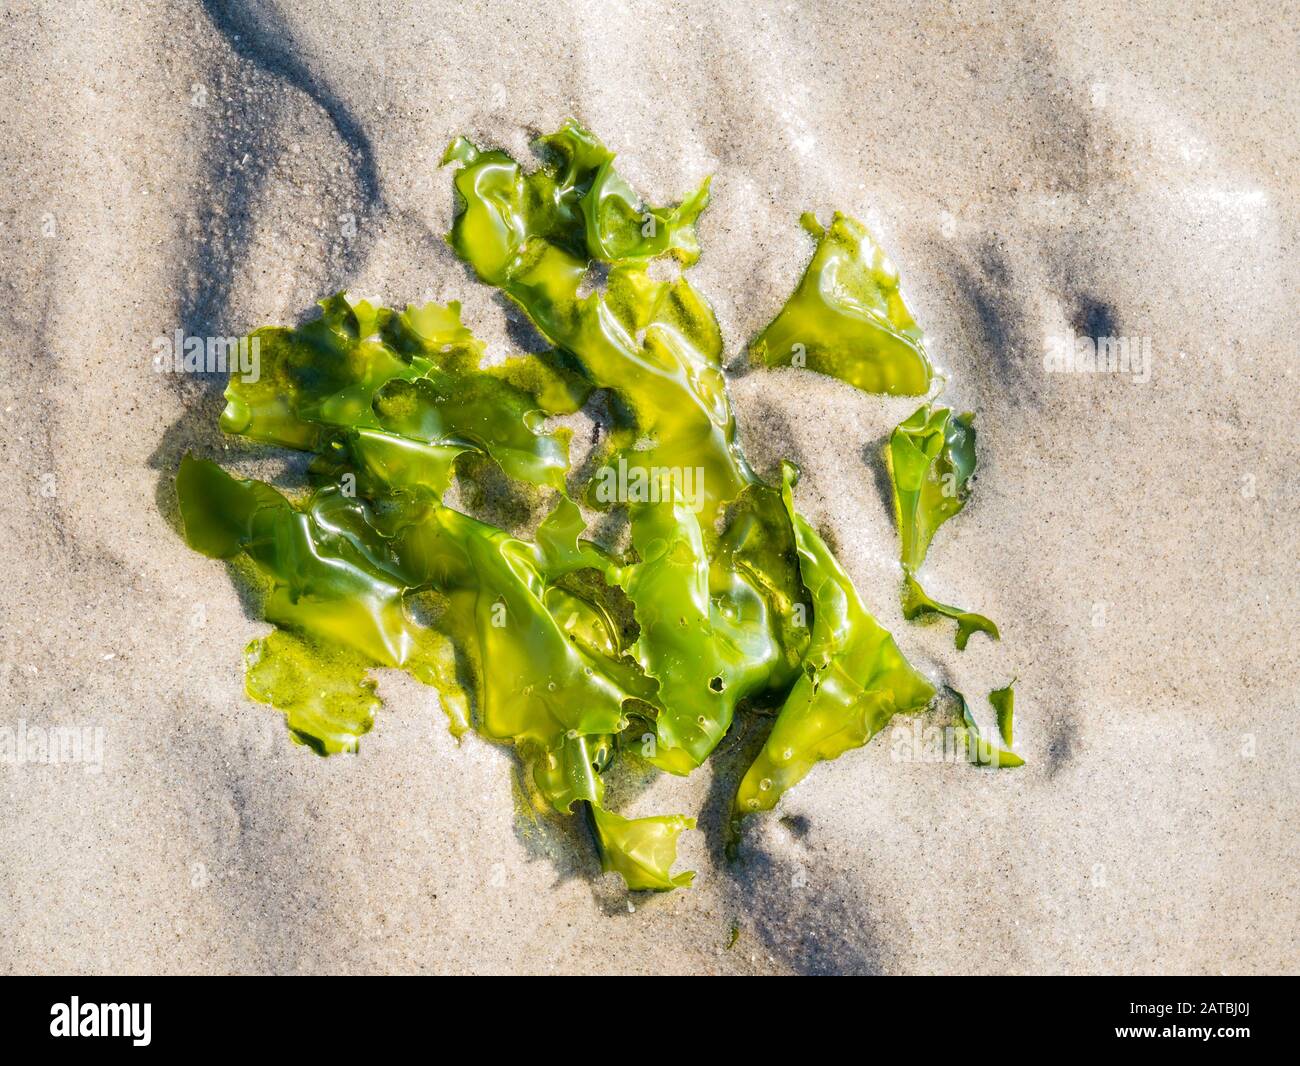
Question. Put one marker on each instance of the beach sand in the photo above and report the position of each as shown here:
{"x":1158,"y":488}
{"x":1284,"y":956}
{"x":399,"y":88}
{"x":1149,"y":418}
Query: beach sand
{"x":1034,"y":171}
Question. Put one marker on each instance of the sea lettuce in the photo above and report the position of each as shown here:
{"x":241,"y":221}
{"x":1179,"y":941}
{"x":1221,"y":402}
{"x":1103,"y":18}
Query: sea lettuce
{"x":654,"y":342}
{"x":706,"y":643}
{"x":981,"y":751}
{"x":724,"y":602}
{"x":324,"y":691}
{"x":1004,"y":702}
{"x":642,"y":850}
{"x":854,"y":678}
{"x":328,"y":575}
{"x":931,"y":457}
{"x":397,"y":395}
{"x":846,"y":318}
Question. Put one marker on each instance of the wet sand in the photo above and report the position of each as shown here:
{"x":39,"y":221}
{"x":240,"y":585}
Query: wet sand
{"x":1080,"y":171}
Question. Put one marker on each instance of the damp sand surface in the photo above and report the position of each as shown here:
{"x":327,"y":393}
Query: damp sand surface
{"x":1080,"y":171}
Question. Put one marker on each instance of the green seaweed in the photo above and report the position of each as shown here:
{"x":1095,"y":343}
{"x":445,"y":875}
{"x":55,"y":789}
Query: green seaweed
{"x":572,"y":652}
{"x":981,"y":751}
{"x":846,"y":318}
{"x":1004,"y":702}
{"x":652,"y":341}
{"x":642,"y":850}
{"x":931,"y":457}
{"x":854,"y":679}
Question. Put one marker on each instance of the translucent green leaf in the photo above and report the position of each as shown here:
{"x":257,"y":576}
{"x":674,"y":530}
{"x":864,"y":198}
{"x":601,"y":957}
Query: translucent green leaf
{"x":568,"y":650}
{"x":981,"y":751}
{"x":854,"y":678}
{"x":847,"y":317}
{"x":642,"y":850}
{"x":931,"y":457}
{"x":325,"y":693}
{"x":1004,"y":702}
{"x":653,"y":341}
{"x":572,"y":774}
{"x":371,"y":388}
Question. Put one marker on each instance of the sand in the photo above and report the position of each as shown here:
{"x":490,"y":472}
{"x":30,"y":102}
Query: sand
{"x":1032,"y":170}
